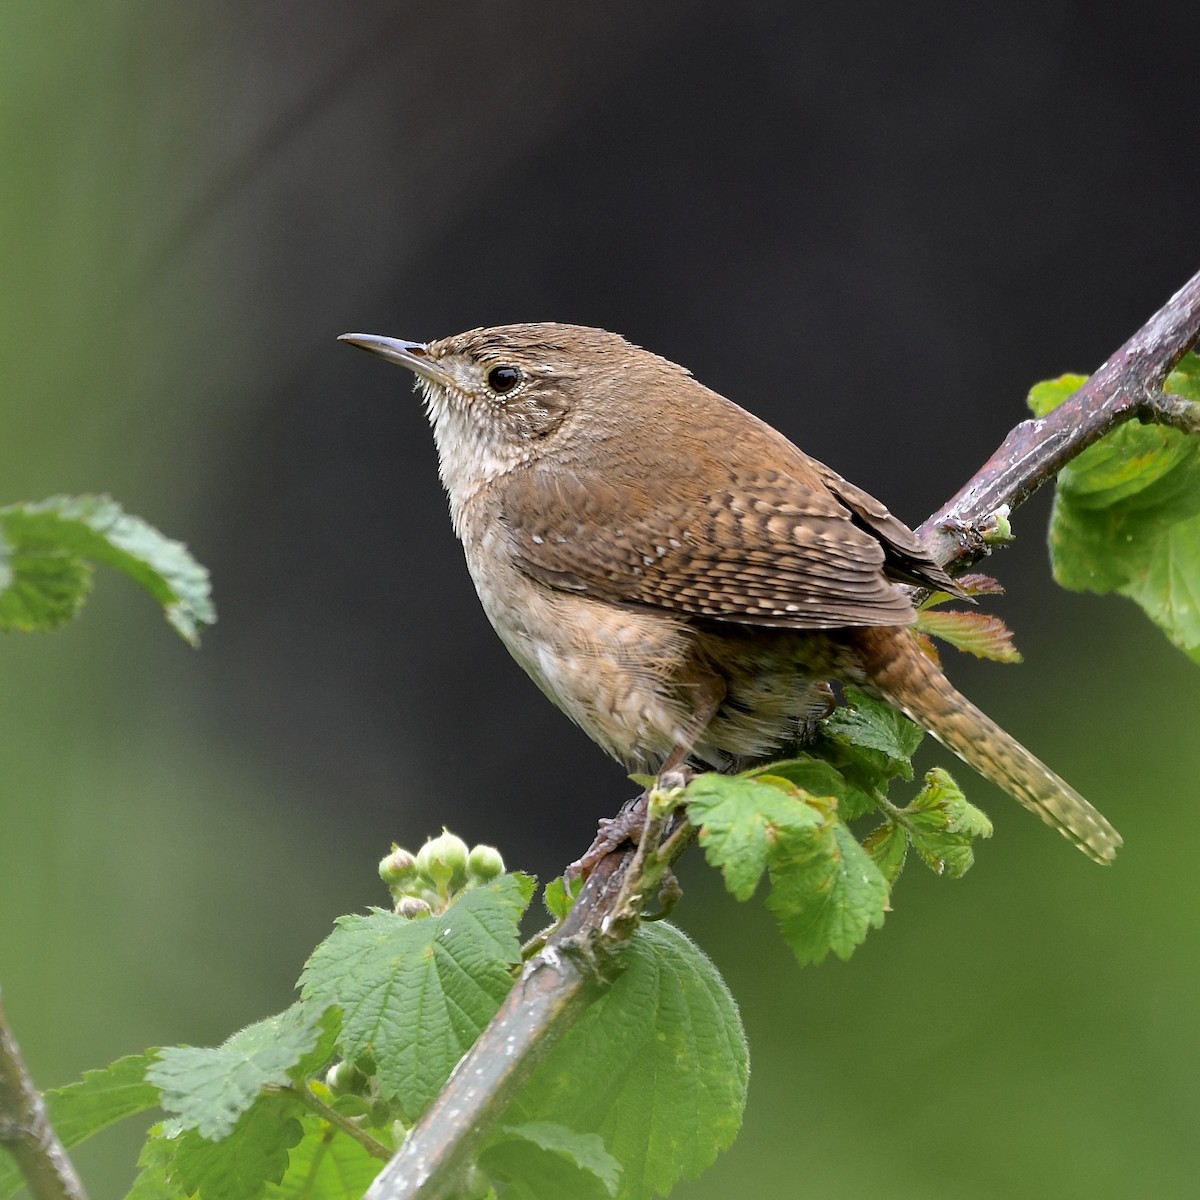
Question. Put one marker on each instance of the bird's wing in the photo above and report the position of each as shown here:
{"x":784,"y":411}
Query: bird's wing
{"x":764,"y":548}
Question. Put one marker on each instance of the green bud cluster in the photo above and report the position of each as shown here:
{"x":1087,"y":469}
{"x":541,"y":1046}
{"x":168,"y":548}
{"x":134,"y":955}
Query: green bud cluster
{"x":424,"y":883}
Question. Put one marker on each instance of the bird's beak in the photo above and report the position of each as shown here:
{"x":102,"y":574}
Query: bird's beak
{"x":413,"y":355}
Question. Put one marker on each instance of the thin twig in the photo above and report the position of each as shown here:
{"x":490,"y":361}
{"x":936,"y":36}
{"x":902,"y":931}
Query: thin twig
{"x":1128,"y":385}
{"x":557,"y":984}
{"x":25,"y":1129}
{"x":314,"y":1103}
{"x":553,"y":986}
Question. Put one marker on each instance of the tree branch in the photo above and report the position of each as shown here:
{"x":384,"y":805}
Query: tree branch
{"x":1128,"y":385}
{"x":25,"y":1129}
{"x":568,"y":972}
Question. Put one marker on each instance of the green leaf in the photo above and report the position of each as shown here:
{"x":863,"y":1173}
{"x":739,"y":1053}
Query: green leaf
{"x":826,"y":892}
{"x":657,"y":1067}
{"x":416,"y":994}
{"x":152,"y":1182}
{"x":543,"y":1160}
{"x":50,"y":543}
{"x":41,"y":587}
{"x":559,"y":898}
{"x":887,"y":844}
{"x":253,"y":1154}
{"x":819,"y":777}
{"x":870,"y":743}
{"x":812,"y":775}
{"x":741,"y":823}
{"x":942,"y":825}
{"x":98,"y":1100}
{"x":325,"y":1165}
{"x":872,"y":724}
{"x":210,"y":1089}
{"x":329,"y":1028}
{"x":980,"y":634}
{"x":1126,"y":514}
{"x":101,"y":1098}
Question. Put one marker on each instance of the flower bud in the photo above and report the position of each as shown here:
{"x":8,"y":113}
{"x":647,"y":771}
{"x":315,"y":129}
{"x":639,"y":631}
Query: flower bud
{"x":345,"y":1079}
{"x":484,"y":864}
{"x":444,"y":860}
{"x":410,"y":907}
{"x":397,"y":867}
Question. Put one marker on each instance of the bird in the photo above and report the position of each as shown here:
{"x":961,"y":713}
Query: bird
{"x":676,"y":575}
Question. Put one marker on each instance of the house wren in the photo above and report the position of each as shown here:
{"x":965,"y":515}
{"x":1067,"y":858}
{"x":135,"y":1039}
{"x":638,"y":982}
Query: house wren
{"x":676,"y":575}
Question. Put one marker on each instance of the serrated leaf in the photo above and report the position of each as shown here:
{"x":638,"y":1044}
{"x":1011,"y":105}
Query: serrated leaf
{"x":210,"y":1088}
{"x":874,"y":725}
{"x":826,"y":892}
{"x":1126,"y":514}
{"x":98,"y":1100}
{"x":325,"y":1165}
{"x":101,"y":1098}
{"x":329,"y":1029}
{"x":818,"y":777}
{"x":887,"y":844}
{"x":973,"y":584}
{"x":926,"y":646}
{"x":41,"y":588}
{"x":544,"y":1160}
{"x":415,"y":994}
{"x":741,"y":821}
{"x":152,"y":1182}
{"x":253,"y":1154}
{"x":980,"y":634}
{"x":942,"y":824}
{"x":657,"y":1067}
{"x":812,"y":775}
{"x":50,"y":542}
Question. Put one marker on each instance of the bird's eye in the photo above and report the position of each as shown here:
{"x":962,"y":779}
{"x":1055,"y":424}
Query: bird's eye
{"x":503,"y":379}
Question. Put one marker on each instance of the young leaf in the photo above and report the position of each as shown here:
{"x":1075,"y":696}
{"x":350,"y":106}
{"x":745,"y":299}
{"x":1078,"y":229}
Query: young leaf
{"x":657,"y":1067}
{"x":887,"y":844}
{"x":210,"y":1089}
{"x":559,"y":897}
{"x":325,"y":1165}
{"x":152,"y":1182}
{"x":49,"y":545}
{"x":82,"y":1109}
{"x":819,"y":777}
{"x":980,"y":634}
{"x":416,"y":994}
{"x":41,"y":587}
{"x":942,"y":824}
{"x":870,"y":743}
{"x":253,"y":1154}
{"x":543,"y":1160}
{"x":1126,"y":514}
{"x":826,"y":892}
{"x":873,"y":724}
{"x":742,"y":821}
{"x":101,"y":1098}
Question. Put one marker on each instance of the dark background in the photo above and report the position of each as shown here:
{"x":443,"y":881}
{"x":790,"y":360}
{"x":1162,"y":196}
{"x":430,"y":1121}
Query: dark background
{"x":874,"y":225}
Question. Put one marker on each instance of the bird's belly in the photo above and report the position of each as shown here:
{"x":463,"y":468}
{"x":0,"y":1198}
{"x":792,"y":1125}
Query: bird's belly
{"x":635,"y":680}
{"x":615,"y":672}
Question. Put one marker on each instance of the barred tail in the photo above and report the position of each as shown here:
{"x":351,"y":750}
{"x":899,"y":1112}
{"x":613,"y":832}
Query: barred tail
{"x":907,"y":679}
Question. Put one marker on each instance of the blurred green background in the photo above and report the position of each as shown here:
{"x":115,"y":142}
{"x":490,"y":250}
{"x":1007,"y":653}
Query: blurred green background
{"x":874,"y":227}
